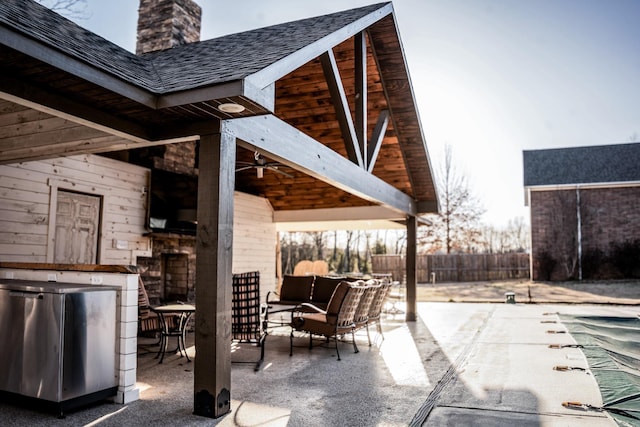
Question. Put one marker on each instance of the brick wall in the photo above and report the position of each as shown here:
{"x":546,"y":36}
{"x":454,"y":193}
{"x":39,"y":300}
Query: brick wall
{"x":607,"y":215}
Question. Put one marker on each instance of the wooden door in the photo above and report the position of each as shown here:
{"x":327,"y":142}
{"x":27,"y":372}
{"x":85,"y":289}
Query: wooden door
{"x":77,"y":228}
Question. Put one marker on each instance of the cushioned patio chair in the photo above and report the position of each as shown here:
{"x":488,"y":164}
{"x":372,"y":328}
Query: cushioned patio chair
{"x":335,"y":321}
{"x":323,"y":288}
{"x":395,"y":296}
{"x":375,"y":309}
{"x":294,"y":291}
{"x":361,"y":317}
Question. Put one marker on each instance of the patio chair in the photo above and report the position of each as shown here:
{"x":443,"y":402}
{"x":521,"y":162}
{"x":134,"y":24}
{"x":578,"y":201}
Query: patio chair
{"x":148,"y":321}
{"x":395,"y":296}
{"x":247,"y":313}
{"x":361,"y":318}
{"x":295,"y":290}
{"x":337,"y":320}
{"x":323,"y":288}
{"x":375,"y":309}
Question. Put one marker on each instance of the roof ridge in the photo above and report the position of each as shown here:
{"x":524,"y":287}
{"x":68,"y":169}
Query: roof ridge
{"x":372,"y":7}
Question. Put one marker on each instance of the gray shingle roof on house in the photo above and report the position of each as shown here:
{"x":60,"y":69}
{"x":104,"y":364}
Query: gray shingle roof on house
{"x":582,"y":165}
{"x":208,"y":62}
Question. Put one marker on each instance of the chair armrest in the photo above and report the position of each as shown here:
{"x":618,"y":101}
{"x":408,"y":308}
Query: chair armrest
{"x":269,"y":293}
{"x":305,"y":307}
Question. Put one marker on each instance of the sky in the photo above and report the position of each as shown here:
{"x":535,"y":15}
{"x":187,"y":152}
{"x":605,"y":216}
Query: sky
{"x":491,"y":78}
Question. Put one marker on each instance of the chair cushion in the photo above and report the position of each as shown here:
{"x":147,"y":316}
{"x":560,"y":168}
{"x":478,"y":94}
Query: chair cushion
{"x":296,"y":288}
{"x":336,"y":299}
{"x":314,"y":323}
{"x":323,"y":288}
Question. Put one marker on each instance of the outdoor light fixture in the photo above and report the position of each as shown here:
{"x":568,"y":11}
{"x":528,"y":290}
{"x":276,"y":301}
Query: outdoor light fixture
{"x":231,"y":108}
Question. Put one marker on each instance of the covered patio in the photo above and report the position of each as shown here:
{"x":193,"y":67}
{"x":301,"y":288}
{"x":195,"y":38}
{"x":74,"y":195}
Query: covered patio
{"x":327,"y":98}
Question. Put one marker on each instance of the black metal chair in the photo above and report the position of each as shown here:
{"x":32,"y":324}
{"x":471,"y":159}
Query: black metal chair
{"x":247,"y":314}
{"x":295,"y":290}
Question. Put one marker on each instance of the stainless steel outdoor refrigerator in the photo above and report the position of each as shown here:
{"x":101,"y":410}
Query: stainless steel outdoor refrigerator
{"x":58,"y":342}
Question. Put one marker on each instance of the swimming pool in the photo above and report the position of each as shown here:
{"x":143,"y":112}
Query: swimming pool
{"x":612,"y":348}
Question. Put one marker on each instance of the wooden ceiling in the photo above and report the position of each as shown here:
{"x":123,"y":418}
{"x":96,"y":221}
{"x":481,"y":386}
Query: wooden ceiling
{"x":303,"y":100}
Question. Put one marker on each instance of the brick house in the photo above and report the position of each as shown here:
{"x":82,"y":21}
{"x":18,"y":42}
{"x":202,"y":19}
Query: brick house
{"x":584,"y":211}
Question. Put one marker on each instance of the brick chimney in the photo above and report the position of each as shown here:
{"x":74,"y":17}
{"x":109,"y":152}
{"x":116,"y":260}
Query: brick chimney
{"x":163,"y":24}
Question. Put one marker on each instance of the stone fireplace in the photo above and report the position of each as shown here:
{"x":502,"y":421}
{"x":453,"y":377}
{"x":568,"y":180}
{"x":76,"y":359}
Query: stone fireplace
{"x":170,"y":274}
{"x":175,"y":276}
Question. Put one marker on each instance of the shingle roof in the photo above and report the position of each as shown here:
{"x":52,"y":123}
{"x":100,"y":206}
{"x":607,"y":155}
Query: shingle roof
{"x":219,"y":60}
{"x":236,"y":56}
{"x":582,"y":165}
{"x":43,"y":25}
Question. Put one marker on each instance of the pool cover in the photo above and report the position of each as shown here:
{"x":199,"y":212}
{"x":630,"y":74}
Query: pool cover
{"x":612,"y":348}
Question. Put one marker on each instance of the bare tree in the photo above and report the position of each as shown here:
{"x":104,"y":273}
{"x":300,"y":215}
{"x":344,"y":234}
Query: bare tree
{"x":457,"y":227}
{"x":518,"y":234}
{"x":346,"y":260}
{"x":512,"y":238}
{"x":75,"y":9}
{"x":401,"y":243}
{"x":319,"y":240}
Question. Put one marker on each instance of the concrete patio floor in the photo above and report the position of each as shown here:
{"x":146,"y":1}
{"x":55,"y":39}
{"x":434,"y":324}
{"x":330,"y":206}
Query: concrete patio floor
{"x":465,"y":364}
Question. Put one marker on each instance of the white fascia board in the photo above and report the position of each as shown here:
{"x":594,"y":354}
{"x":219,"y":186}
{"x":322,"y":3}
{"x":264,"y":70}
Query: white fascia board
{"x":337,"y":214}
{"x":339,"y":225}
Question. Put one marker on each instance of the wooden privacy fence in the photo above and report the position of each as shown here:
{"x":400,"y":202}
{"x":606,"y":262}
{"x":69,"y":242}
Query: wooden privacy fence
{"x":458,"y":267}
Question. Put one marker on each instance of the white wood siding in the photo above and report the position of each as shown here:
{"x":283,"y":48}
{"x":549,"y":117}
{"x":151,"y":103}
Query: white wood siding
{"x":254,"y":239}
{"x":28,"y":193}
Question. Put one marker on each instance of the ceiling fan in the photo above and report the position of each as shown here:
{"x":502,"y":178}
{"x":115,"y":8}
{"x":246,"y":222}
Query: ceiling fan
{"x":260,"y":164}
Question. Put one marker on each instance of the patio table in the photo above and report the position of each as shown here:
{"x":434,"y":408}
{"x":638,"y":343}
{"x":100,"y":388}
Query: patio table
{"x":184,"y":312}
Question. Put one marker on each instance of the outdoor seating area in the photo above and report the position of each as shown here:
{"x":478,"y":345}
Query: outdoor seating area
{"x":327,"y":306}
{"x":330,"y":307}
{"x":351,"y":307}
{"x":172,"y":320}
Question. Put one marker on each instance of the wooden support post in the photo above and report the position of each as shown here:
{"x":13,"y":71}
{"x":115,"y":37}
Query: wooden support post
{"x":212,"y":370}
{"x":412,"y":270}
